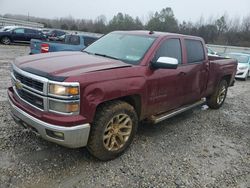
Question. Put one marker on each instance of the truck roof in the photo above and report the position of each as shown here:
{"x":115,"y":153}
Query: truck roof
{"x":156,"y":34}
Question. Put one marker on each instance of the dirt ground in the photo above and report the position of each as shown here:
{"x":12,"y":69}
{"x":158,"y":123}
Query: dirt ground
{"x":200,"y":148}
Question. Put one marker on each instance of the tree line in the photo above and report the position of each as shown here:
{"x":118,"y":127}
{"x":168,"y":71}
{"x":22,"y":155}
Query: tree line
{"x":222,"y":30}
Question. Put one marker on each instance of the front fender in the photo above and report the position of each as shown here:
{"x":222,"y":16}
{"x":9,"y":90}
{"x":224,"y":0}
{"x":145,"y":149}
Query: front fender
{"x":97,"y":93}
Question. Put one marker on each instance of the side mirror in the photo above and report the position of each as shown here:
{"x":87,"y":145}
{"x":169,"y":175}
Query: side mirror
{"x":165,"y":63}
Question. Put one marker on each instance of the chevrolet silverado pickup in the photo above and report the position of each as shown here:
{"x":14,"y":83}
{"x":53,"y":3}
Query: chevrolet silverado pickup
{"x":97,"y":96}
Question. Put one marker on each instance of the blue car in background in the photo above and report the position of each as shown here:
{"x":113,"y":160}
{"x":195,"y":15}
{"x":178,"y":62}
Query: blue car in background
{"x":71,"y":42}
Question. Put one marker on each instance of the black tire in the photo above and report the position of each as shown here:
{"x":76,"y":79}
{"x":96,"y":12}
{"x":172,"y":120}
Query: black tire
{"x":213,"y":101}
{"x":105,"y":116}
{"x":5,"y":40}
{"x":245,"y":79}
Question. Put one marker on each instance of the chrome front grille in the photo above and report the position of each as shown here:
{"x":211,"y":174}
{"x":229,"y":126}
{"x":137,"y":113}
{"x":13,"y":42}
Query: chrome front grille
{"x":30,"y":88}
{"x":28,"y":81}
{"x":31,"y":98}
{"x":33,"y":90}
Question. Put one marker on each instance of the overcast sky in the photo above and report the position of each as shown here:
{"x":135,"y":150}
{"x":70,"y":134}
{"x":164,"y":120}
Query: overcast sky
{"x":189,"y":10}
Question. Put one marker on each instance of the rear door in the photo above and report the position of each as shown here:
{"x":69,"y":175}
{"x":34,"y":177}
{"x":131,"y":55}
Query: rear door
{"x":31,"y":34}
{"x":197,"y":67}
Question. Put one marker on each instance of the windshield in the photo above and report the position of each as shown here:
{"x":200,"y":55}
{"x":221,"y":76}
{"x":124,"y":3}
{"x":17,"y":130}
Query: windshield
{"x":239,"y":58}
{"x":6,"y":29}
{"x":125,"y":47}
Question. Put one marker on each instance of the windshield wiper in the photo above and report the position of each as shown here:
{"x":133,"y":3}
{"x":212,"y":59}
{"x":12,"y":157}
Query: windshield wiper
{"x":104,"y":55}
{"x":87,"y":52}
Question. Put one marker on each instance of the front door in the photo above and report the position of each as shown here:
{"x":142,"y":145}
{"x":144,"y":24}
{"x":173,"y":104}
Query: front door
{"x":164,"y":86}
{"x":19,"y":35}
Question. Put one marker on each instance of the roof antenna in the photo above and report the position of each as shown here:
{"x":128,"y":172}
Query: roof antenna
{"x":151,"y":32}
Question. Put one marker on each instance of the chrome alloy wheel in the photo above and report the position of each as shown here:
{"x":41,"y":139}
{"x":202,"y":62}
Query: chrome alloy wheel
{"x":221,"y":94}
{"x":117,"y":132}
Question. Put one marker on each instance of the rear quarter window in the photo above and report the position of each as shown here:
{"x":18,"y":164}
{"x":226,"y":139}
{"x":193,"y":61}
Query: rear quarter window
{"x":72,"y":39}
{"x":88,"y":40}
{"x":195,"y":51}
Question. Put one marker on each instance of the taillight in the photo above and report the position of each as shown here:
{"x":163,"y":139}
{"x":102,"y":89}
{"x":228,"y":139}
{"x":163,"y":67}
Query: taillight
{"x":44,"y":48}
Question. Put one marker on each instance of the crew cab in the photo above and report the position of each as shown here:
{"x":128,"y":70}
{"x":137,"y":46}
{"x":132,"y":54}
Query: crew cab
{"x":20,"y":35}
{"x":96,"y":97}
{"x":72,"y":42}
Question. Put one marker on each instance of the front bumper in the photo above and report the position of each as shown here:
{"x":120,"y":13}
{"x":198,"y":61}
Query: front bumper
{"x":73,"y":137}
{"x":241,"y":73}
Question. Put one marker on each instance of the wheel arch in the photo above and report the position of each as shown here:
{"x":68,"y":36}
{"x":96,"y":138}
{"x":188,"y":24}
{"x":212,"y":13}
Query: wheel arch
{"x":228,"y":78}
{"x":133,"y":100}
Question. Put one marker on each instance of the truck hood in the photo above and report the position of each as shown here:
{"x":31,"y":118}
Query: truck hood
{"x":60,"y":65}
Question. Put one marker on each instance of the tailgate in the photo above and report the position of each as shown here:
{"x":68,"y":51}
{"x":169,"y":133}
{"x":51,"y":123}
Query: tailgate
{"x":35,"y":46}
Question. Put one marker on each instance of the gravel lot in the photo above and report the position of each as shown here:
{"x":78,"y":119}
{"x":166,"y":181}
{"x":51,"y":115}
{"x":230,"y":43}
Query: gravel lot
{"x":200,"y":148}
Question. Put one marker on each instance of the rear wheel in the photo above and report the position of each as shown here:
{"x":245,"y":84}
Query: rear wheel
{"x":6,"y":40}
{"x":216,"y":100}
{"x":113,"y":130}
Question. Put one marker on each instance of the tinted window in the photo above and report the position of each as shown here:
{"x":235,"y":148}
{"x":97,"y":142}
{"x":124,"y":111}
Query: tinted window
{"x":30,"y":31}
{"x":170,"y":48}
{"x":59,"y":33}
{"x":72,"y":39}
{"x":88,"y":40}
{"x":195,"y":51}
{"x":20,"y":30}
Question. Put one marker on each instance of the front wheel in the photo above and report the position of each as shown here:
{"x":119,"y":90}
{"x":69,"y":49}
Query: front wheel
{"x":6,"y":40}
{"x":113,"y":130}
{"x":216,"y":100}
{"x":245,"y":79}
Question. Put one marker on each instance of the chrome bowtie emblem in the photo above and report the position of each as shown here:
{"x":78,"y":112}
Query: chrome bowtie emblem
{"x":18,"y":84}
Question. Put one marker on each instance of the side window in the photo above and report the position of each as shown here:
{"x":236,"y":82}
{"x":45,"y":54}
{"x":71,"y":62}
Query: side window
{"x":30,"y":31}
{"x":170,"y":48}
{"x":20,"y":31}
{"x":195,"y":51}
{"x":88,"y":40}
{"x":60,"y":33}
{"x":73,"y":39}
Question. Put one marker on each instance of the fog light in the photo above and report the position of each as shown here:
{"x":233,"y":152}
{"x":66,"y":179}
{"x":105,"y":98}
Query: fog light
{"x":55,"y":134}
{"x":61,"y":135}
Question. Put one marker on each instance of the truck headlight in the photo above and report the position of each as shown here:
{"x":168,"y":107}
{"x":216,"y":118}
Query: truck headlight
{"x":64,"y":90}
{"x":65,"y":107}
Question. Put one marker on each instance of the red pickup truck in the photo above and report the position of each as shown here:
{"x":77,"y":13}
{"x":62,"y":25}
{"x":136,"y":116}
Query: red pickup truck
{"x":96,"y":97}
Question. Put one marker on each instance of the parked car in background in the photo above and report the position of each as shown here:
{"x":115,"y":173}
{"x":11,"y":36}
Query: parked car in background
{"x":7,"y":28}
{"x":45,"y":30}
{"x":243,"y":68}
{"x":211,"y":52}
{"x":96,"y":97}
{"x":55,"y":34}
{"x":20,"y":34}
{"x":69,"y":43}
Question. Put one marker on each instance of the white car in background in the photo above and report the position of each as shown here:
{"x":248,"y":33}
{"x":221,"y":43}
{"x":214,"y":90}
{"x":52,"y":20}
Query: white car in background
{"x":243,"y":68}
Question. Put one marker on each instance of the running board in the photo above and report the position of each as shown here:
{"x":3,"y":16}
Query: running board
{"x":161,"y":117}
